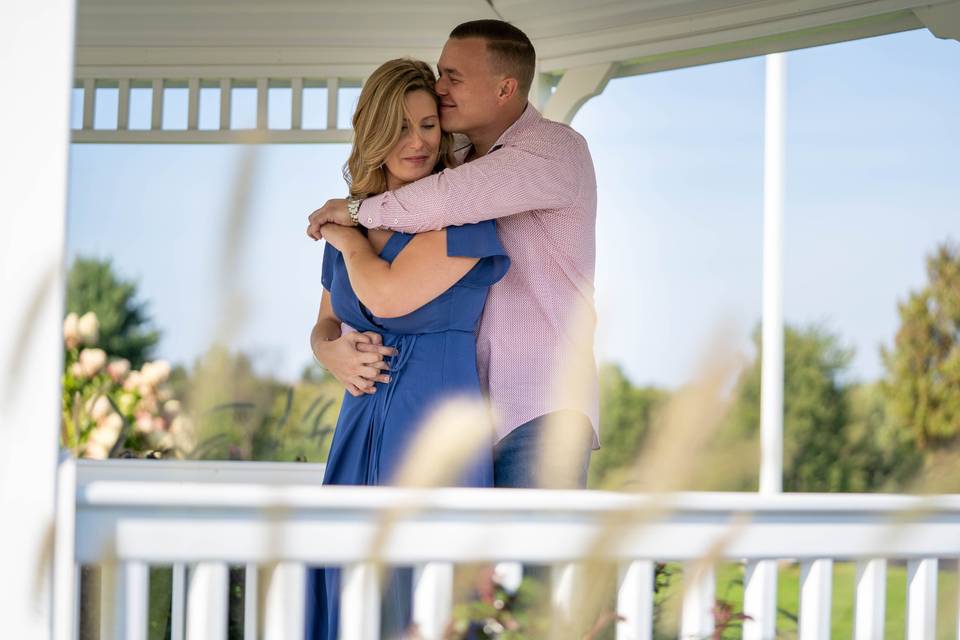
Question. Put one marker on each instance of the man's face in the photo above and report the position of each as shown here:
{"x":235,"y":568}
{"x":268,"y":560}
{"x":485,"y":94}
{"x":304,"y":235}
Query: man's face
{"x":467,"y":86}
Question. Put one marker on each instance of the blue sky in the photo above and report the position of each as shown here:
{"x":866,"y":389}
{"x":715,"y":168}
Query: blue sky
{"x":873,"y":184}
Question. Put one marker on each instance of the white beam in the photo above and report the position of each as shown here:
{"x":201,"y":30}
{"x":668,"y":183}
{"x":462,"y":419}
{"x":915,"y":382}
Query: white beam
{"x":577,"y":85}
{"x":942,"y":20}
{"x":432,"y":598}
{"x":36,"y":51}
{"x":771,"y":386}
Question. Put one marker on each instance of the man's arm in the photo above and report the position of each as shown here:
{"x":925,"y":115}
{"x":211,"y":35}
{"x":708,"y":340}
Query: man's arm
{"x":504,"y":182}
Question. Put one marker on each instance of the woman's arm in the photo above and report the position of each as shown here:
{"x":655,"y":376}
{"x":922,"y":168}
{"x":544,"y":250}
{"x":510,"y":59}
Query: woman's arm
{"x":355,"y":359}
{"x":421,"y":272}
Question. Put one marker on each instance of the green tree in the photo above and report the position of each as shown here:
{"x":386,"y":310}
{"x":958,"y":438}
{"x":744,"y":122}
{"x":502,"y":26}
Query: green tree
{"x":923,"y":368}
{"x":815,"y":407}
{"x":125,"y":331}
{"x":626,"y":413}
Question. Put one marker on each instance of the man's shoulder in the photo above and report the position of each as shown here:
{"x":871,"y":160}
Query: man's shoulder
{"x":543,"y":131}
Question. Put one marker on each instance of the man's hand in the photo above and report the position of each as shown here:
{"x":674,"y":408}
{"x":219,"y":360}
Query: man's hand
{"x":355,"y":359}
{"x":334,"y":211}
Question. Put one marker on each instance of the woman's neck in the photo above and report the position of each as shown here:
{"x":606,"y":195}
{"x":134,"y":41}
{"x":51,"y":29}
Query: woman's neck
{"x":394,"y":183}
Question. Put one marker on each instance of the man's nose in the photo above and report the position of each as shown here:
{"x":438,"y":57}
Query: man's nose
{"x":441,"y":86}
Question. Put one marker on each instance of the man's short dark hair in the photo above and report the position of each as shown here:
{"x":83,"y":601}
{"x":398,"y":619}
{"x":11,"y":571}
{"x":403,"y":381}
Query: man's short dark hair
{"x":511,"y":52}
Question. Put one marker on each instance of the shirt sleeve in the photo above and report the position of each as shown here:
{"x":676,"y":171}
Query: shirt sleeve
{"x":510,"y":180}
{"x":479,"y":240}
{"x":330,"y":254}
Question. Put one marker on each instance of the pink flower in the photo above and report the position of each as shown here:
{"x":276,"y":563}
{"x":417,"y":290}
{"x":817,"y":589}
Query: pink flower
{"x":88,"y":327}
{"x":156,"y":373}
{"x":71,"y":334}
{"x":96,"y":451}
{"x":91,"y":362}
{"x":118,"y":370}
{"x":172,"y":408}
{"x":144,"y":422}
{"x":99,"y":408}
{"x":132,"y":383}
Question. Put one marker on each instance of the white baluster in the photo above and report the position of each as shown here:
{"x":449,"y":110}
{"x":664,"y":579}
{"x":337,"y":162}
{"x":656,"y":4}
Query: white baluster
{"x":193,"y":103}
{"x":871,"y":599}
{"x":178,"y":602}
{"x":296,"y":104}
{"x":286,"y":602}
{"x":251,"y":596}
{"x":816,"y":590}
{"x":156,"y":109}
{"x":124,"y":589}
{"x":262,"y":103}
{"x":333,"y":89}
{"x":123,"y":104}
{"x":432,"y":598}
{"x":207,"y":591}
{"x":563,"y":578}
{"x":226,"y":89}
{"x":635,"y":600}
{"x":921,"y":599}
{"x":359,"y":602}
{"x":699,"y":598}
{"x":136,"y":578}
{"x":760,"y":600}
{"x":89,"y":102}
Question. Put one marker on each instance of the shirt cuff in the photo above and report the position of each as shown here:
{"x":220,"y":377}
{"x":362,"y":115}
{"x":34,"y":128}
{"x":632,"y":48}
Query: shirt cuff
{"x":369,"y":212}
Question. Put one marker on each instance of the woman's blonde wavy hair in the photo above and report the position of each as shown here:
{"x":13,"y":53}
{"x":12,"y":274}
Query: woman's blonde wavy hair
{"x":378,"y":120}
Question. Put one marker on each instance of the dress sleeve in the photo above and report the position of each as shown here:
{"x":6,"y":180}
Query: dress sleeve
{"x":330,"y":254}
{"x":479,"y":240}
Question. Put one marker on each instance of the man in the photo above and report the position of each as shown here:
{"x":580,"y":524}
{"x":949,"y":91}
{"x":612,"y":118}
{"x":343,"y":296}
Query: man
{"x":536,"y":178}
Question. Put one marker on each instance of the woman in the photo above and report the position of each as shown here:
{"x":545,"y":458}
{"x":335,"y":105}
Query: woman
{"x":422,"y":293}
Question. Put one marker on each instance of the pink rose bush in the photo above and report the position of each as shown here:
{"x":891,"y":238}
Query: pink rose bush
{"x":108,"y":406}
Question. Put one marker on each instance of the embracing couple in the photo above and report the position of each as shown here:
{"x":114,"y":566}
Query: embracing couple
{"x":460,"y":267}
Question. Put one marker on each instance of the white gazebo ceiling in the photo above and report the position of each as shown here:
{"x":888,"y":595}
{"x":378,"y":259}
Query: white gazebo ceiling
{"x":333,"y":44}
{"x":639,"y":35}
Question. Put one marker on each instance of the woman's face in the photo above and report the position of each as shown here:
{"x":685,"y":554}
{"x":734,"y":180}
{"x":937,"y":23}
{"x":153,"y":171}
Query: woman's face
{"x":415,"y":153}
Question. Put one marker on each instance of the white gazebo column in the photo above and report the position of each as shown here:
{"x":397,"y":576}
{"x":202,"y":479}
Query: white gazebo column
{"x":760,"y":583}
{"x":36,"y":64}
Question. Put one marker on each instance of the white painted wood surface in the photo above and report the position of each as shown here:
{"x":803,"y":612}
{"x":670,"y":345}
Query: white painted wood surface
{"x":922,"y":599}
{"x":760,"y":599}
{"x":816,"y":596}
{"x":36,"y":63}
{"x":699,"y":598}
{"x":771,"y":372}
{"x":207,"y":592}
{"x":359,"y":602}
{"x":432,"y":598}
{"x":635,"y":600}
{"x":871,"y":599}
{"x":286,"y":601}
{"x":178,"y":602}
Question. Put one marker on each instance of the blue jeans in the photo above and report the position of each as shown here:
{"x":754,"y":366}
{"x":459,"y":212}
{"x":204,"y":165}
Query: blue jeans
{"x":517,"y":462}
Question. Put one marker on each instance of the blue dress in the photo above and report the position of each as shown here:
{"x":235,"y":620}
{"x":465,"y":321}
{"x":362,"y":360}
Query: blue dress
{"x":436,"y":359}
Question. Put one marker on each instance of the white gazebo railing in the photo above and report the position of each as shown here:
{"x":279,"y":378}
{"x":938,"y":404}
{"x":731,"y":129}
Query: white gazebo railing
{"x":275,"y":520}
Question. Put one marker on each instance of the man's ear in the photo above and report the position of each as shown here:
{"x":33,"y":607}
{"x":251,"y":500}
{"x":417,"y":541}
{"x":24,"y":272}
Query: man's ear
{"x":507,"y":89}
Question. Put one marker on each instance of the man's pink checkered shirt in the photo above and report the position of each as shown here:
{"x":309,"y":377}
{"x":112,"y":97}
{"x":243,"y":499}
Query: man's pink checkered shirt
{"x":538,"y":182}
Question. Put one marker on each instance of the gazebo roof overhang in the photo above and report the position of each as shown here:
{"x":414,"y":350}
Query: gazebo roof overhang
{"x":298,"y":43}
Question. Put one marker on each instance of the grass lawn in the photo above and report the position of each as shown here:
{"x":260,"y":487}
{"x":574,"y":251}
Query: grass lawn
{"x":730,"y":588}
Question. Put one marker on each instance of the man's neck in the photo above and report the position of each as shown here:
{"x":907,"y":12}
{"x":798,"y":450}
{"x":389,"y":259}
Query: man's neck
{"x":484,"y":139}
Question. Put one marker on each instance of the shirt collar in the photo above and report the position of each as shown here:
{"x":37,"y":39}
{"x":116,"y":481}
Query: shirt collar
{"x":529,"y":115}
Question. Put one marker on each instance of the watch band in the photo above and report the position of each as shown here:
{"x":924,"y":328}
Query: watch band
{"x":353,"y":208}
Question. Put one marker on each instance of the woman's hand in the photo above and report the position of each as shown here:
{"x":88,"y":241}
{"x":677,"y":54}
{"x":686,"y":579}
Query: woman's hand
{"x":355,"y":359}
{"x":340,"y":237}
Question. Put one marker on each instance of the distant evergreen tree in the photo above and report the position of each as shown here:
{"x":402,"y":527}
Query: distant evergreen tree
{"x":923,"y":367}
{"x":125,"y":331}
